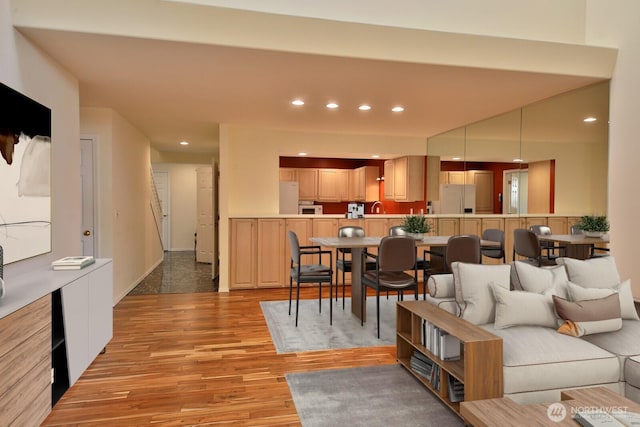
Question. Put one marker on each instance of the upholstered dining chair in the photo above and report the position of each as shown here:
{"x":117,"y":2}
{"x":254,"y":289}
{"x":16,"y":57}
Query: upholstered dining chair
{"x":463,"y":248}
{"x":526,"y":244}
{"x":549,"y":247}
{"x":494,"y":235}
{"x":343,"y":257}
{"x":396,"y":255}
{"x":312,"y":272}
{"x":422,"y":264}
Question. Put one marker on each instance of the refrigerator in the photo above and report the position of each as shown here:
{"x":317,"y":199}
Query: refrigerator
{"x":289,"y":197}
{"x":457,"y":198}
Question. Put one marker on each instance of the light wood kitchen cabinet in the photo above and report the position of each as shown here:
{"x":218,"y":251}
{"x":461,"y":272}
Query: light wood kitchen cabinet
{"x":288,"y":174}
{"x":448,"y":226}
{"x":495,"y":223}
{"x":453,"y":177}
{"x":307,"y":184}
{"x":483,"y":180}
{"x":408,"y":179}
{"x":333,"y":185}
{"x":471,"y":226}
{"x":510,"y":224}
{"x":376,"y":227}
{"x":271,"y":246}
{"x":558,"y":224}
{"x":364,"y":184}
{"x":388,"y":179}
{"x":243,"y":253}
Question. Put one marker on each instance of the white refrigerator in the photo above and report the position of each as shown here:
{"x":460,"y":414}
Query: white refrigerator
{"x":457,"y":198}
{"x":289,"y":198}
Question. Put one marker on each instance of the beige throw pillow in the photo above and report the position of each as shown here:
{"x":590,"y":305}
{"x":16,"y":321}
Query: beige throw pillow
{"x":627,"y":305}
{"x":538,"y":279}
{"x":514,"y":308}
{"x":473,"y":289}
{"x":592,"y":273}
{"x":441,"y":286}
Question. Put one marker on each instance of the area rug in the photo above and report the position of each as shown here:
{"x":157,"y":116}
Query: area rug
{"x":371,"y":396}
{"x":315,"y":333}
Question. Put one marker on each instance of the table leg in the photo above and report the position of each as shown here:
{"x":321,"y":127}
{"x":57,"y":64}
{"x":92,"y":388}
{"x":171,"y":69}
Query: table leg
{"x":356,"y":285}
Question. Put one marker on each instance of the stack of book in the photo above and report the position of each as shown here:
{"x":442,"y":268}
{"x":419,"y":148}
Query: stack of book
{"x":425,"y":367}
{"x":72,"y":262}
{"x":456,"y":390}
{"x":440,"y":342}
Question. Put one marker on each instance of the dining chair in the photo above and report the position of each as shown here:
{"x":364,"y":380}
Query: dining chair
{"x":396,"y":255}
{"x":548,"y":247}
{"x":343,"y":257}
{"x":494,"y":235}
{"x":310,"y":272}
{"x":421,"y":263}
{"x":463,"y":248}
{"x":526,"y":244}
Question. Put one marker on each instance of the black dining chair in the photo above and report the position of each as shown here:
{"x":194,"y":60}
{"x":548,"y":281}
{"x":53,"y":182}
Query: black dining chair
{"x":463,"y":248}
{"x":494,"y":235}
{"x":343,"y":257}
{"x":422,"y":264}
{"x":309,"y":272}
{"x":396,"y":255}
{"x":527,"y":245}
{"x":549,"y":247}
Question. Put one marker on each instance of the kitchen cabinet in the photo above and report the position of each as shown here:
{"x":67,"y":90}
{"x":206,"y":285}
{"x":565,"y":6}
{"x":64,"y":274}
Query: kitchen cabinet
{"x":510,"y":224}
{"x":333,"y":185}
{"x":408,"y":179}
{"x":364,"y":184}
{"x":558,"y":224}
{"x":271,"y":245}
{"x":453,"y":177}
{"x":307,"y":184}
{"x":448,"y":226}
{"x":243,"y":253}
{"x":388,"y":179}
{"x":289,"y":174}
{"x":497,"y":223}
{"x":483,"y":180}
{"x":471,"y":226}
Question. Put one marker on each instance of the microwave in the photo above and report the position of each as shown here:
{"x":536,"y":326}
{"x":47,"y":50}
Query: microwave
{"x":310,"y":209}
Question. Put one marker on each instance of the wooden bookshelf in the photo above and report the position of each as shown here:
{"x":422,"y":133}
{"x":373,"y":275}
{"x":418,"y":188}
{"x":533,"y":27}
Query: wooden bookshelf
{"x":479,"y":367}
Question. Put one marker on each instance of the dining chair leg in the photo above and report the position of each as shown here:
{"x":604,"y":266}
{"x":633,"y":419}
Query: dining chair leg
{"x":320,"y":297}
{"x":363,"y":301}
{"x":330,"y":302}
{"x":378,"y":311}
{"x":290,"y":293}
{"x":297,"y":302}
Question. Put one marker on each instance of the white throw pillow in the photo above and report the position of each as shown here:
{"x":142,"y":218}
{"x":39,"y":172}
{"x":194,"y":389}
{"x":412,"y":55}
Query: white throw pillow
{"x":592,"y":273}
{"x":515,"y":308}
{"x":473,"y":289}
{"x":441,"y":286}
{"x":539,"y":279}
{"x":627,"y":305}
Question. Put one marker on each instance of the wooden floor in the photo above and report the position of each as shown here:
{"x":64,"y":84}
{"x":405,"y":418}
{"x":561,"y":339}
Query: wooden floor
{"x":196,"y":359}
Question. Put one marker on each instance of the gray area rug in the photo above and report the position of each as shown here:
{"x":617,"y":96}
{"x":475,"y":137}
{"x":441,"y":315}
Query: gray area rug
{"x":372,"y":396}
{"x":315,"y":333}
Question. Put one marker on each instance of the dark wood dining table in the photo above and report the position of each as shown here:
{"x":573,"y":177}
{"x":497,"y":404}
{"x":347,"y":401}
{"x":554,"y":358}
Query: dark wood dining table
{"x":577,"y":245}
{"x":357,"y":244}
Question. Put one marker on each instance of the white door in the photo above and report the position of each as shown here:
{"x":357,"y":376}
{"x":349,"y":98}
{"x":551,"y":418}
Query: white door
{"x":88,"y":236}
{"x":161,"y":179}
{"x":515,"y":191}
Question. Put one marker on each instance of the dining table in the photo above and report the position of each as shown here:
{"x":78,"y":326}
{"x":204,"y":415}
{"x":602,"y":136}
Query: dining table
{"x":358,"y":244}
{"x":576,"y":245}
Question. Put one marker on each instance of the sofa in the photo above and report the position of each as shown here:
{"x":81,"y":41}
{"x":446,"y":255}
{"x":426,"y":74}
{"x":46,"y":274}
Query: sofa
{"x":568,"y":326}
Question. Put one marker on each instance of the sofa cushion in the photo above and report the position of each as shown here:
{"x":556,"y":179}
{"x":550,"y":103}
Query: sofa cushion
{"x":627,"y":305}
{"x":589,"y":316}
{"x":632,"y":371}
{"x":592,"y":273}
{"x":624,"y":343}
{"x":441,"y":286}
{"x":537,"y":279}
{"x":515,"y":308}
{"x":473,"y":289}
{"x":536,"y":358}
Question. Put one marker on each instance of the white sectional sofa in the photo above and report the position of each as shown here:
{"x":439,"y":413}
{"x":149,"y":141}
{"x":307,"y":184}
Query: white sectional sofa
{"x":517,"y":303}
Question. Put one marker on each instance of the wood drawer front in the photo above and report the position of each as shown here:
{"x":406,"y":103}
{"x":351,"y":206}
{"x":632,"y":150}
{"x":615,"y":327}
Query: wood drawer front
{"x":39,"y":410}
{"x":17,"y":363}
{"x":22,"y":324}
{"x":20,"y":400}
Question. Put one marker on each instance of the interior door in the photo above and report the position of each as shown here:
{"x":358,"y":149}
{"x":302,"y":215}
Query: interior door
{"x":87,"y":236}
{"x":161,"y":179}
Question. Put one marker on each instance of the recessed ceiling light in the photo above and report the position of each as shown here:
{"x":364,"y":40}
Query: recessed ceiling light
{"x":397,"y":109}
{"x":184,"y":143}
{"x":518,"y":160}
{"x":302,"y":154}
{"x":332,"y":105}
{"x":589,"y":119}
{"x":364,"y":107}
{"x":297,"y":102}
{"x":375,"y":156}
{"x":456,"y":158}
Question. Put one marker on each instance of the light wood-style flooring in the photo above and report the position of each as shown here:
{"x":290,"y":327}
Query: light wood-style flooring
{"x":196,"y":359}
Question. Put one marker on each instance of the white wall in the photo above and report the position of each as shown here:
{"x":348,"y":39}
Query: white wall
{"x":616,"y":24}
{"x":26,"y":69}
{"x":183,"y":199}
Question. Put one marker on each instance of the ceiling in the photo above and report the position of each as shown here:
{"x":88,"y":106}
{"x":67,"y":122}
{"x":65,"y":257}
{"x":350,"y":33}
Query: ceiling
{"x":174,"y":91}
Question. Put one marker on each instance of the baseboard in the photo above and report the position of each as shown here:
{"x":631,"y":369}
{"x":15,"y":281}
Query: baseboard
{"x":137,"y":281}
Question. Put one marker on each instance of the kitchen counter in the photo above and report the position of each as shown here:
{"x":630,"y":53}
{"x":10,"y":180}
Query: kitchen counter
{"x":435,"y":216}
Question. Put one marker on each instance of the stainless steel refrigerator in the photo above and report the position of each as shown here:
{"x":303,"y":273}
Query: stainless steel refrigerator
{"x":289,"y":198}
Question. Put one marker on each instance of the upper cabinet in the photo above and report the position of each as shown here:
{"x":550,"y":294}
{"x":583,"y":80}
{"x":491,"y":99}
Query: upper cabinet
{"x":333,"y":185}
{"x":288,"y":174}
{"x":407,"y":179}
{"x":364,"y":184}
{"x":307,"y":184}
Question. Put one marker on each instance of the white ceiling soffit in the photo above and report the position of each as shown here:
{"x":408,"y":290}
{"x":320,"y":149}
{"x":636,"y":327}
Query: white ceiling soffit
{"x":176,"y":70}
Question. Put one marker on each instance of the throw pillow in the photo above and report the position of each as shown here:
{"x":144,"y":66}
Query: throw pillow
{"x":592,"y":273}
{"x":538,"y":279}
{"x":441,"y":286}
{"x":515,"y":308}
{"x":627,"y":305}
{"x":473,"y":289}
{"x":589,"y":316}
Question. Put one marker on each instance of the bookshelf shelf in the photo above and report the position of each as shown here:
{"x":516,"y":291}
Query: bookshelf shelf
{"x":479,"y":366}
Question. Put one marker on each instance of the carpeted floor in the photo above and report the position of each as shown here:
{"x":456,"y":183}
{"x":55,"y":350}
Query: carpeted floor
{"x":372,"y":396}
{"x":315,"y":333}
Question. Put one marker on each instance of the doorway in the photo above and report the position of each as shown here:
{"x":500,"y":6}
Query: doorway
{"x":516,"y":184}
{"x":161,"y":180}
